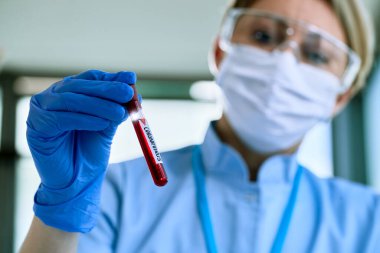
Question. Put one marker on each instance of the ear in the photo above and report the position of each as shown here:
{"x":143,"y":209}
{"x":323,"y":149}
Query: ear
{"x":216,"y":56}
{"x":342,"y":101}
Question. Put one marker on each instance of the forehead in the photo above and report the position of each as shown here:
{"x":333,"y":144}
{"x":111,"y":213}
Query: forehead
{"x":316,"y":12}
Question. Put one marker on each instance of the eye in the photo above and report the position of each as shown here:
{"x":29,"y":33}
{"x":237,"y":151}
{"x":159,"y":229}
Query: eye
{"x":262,"y":37}
{"x":316,"y":50}
{"x":316,"y":58}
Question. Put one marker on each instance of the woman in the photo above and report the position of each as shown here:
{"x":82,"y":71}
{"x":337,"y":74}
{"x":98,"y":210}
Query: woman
{"x":283,"y":66}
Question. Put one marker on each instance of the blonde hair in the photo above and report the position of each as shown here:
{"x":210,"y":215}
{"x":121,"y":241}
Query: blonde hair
{"x":359,"y":30}
{"x":360,"y":33}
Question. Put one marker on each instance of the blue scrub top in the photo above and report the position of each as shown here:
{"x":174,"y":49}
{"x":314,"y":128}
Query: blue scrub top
{"x":330,"y":215}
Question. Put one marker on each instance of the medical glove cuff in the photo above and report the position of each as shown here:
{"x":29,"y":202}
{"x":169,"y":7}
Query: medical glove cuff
{"x":74,"y":214}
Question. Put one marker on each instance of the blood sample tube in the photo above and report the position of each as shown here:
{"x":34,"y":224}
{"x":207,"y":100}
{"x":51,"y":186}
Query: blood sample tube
{"x":147,"y":143}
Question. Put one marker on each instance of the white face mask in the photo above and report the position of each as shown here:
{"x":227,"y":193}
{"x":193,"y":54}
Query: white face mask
{"x":271,"y":100}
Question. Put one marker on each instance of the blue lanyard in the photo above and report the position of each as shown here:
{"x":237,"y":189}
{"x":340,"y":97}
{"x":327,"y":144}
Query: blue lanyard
{"x":204,"y":212}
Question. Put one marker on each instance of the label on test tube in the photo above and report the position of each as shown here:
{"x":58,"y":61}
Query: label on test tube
{"x":151,"y":142}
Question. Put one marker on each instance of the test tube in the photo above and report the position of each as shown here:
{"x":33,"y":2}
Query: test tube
{"x":147,"y":143}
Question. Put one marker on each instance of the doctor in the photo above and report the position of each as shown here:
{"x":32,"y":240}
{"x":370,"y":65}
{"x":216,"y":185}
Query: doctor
{"x":283,"y":66}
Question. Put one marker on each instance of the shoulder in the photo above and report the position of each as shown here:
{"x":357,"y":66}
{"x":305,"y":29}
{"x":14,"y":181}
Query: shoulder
{"x":348,"y":204}
{"x":343,"y":192}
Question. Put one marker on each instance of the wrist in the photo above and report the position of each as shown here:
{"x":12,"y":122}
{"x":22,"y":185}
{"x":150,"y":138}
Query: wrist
{"x":72,"y":209}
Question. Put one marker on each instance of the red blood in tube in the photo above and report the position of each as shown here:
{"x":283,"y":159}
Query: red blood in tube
{"x":147,"y":143}
{"x":156,"y":169}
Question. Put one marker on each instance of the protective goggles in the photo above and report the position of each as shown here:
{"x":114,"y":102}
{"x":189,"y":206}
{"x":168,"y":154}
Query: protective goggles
{"x":310,"y":44}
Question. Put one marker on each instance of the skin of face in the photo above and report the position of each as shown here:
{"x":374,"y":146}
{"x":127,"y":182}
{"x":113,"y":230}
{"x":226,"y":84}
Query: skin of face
{"x":316,"y":12}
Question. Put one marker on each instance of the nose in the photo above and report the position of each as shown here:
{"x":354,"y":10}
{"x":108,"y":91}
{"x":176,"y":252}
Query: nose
{"x":291,"y":46}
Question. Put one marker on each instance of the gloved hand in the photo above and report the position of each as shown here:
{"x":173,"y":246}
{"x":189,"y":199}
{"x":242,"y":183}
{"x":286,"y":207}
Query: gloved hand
{"x":69,"y":131}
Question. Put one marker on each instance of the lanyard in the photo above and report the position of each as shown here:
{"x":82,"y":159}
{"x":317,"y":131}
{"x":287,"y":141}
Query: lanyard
{"x":204,"y":212}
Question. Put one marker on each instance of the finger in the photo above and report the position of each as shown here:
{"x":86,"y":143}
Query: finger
{"x":52,"y":123}
{"x":122,"y":76}
{"x":72,"y":102}
{"x":110,"y":90}
{"x":69,"y":121}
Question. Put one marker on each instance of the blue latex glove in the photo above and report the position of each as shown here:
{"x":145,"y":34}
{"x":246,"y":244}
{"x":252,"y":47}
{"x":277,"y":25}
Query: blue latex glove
{"x":69,"y":131}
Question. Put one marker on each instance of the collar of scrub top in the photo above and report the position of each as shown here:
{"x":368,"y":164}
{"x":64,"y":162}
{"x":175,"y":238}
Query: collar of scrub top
{"x":212,"y":148}
{"x":279,"y":169}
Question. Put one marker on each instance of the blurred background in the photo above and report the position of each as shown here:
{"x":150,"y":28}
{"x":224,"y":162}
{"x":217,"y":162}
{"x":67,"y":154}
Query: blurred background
{"x":166,"y":42}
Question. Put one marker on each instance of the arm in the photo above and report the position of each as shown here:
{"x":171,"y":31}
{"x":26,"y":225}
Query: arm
{"x":70,"y":128}
{"x":42,"y":238}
